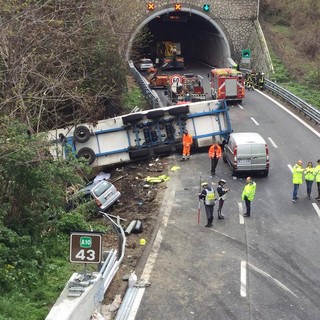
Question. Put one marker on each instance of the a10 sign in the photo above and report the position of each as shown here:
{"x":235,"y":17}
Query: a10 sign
{"x":85,"y":247}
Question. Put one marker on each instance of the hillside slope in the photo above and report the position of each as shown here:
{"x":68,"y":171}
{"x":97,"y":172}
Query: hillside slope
{"x":292,"y":31}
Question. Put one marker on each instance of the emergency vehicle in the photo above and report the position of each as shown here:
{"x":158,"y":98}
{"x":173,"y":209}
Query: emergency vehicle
{"x":169,"y":53}
{"x":228,"y":84}
{"x":184,"y":89}
{"x":143,"y":134}
{"x":157,"y":80}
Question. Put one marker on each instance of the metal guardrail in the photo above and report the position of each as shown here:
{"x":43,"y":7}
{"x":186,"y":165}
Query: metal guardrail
{"x":82,"y":305}
{"x":304,"y":107}
{"x":151,"y":97}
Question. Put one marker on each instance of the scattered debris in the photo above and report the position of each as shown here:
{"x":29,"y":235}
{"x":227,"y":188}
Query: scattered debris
{"x":116,"y":303}
{"x":132,"y":279}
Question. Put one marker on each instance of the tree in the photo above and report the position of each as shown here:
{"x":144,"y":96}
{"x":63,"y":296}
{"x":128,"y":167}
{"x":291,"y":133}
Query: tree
{"x":59,"y":63}
{"x":33,"y":196}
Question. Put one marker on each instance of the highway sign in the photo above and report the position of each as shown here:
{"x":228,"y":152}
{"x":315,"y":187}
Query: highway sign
{"x":85,"y":247}
{"x":206,"y":7}
{"x":245,"y":56}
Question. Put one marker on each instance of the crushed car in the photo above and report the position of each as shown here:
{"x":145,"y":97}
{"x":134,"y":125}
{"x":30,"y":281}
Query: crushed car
{"x":99,"y":190}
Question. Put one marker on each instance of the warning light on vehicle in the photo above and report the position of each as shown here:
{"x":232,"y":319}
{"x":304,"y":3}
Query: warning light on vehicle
{"x":177,"y":6}
{"x":206,"y":7}
{"x":151,"y":6}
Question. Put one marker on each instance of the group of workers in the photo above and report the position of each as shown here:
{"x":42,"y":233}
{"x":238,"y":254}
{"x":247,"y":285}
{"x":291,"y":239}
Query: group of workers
{"x":254,"y":80}
{"x":209,"y":198}
{"x":208,"y":195}
{"x":310,"y":174}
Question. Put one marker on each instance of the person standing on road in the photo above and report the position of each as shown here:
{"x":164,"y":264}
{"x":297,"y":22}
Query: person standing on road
{"x":214,"y":153}
{"x":297,"y":175}
{"x":309,"y":174}
{"x":248,"y":194}
{"x":317,"y":175}
{"x":208,"y":197}
{"x":222,"y":192}
{"x":186,"y":142}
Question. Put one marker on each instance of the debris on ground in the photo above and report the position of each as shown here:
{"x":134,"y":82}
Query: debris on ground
{"x":139,"y":206}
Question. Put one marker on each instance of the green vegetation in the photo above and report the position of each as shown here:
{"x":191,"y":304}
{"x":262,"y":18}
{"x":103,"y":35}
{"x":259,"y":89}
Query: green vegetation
{"x":61,"y":64}
{"x":282,"y":76}
{"x":34,"y":227}
{"x":292,"y":28}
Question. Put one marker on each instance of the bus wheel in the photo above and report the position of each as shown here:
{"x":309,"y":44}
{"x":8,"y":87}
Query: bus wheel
{"x":81,"y":134}
{"x":88,"y":154}
{"x":154,"y":114}
{"x":179,"y":110}
{"x":131,"y":118}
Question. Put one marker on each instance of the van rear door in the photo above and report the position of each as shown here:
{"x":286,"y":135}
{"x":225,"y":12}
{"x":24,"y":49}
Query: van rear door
{"x":244,"y":155}
{"x":259,"y":157}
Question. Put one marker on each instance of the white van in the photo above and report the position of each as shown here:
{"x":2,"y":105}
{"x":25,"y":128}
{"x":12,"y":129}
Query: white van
{"x":246,"y":151}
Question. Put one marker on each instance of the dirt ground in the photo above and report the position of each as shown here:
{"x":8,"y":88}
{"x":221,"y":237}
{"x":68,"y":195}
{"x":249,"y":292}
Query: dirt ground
{"x":139,"y":201}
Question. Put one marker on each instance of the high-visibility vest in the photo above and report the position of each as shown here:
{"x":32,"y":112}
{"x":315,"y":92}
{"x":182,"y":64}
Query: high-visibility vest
{"x":209,"y":199}
{"x":309,"y":174}
{"x":317,"y":172}
{"x":249,"y":191}
{"x":297,"y":172}
{"x":216,"y":151}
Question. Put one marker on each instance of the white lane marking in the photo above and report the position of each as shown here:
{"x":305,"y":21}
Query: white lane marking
{"x":290,"y":167}
{"x":272,"y":142}
{"x":291,"y":113}
{"x":243,"y":278}
{"x":240,"y":106}
{"x":241,"y":219}
{"x":281,"y":285}
{"x":200,"y":76}
{"x":316,"y":208}
{"x":153,"y":254}
{"x":254,"y":121}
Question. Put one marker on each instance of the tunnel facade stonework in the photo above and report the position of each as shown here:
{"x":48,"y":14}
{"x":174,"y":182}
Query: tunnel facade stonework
{"x":238,"y":19}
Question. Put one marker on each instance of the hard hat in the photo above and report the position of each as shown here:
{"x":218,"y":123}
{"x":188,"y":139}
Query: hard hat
{"x":222,"y":181}
{"x":203,"y":184}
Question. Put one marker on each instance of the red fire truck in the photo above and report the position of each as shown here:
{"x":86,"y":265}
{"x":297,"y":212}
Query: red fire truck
{"x":228,"y":84}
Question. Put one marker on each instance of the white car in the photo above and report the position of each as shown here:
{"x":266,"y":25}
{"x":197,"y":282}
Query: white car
{"x":145,"y":64}
{"x":105,"y":194}
{"x":100,"y":190}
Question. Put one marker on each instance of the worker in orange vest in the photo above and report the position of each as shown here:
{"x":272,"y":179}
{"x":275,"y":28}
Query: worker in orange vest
{"x":187,"y":142}
{"x":214,"y":153}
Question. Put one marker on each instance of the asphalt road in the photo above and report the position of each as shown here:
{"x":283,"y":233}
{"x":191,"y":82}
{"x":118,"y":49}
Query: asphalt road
{"x":263,"y":267}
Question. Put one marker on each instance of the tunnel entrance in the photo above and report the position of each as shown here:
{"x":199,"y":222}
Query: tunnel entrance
{"x":201,"y":38}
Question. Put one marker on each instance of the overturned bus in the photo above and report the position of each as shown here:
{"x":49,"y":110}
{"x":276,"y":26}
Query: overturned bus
{"x":143,"y":134}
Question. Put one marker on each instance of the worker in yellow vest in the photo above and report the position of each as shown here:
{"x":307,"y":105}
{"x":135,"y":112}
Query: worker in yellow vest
{"x":317,"y":174}
{"x":309,"y":174}
{"x":297,"y":177}
{"x":209,"y":200}
{"x":248,"y":194}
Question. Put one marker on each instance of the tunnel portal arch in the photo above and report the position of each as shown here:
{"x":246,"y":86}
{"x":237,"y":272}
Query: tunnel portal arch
{"x":220,"y":41}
